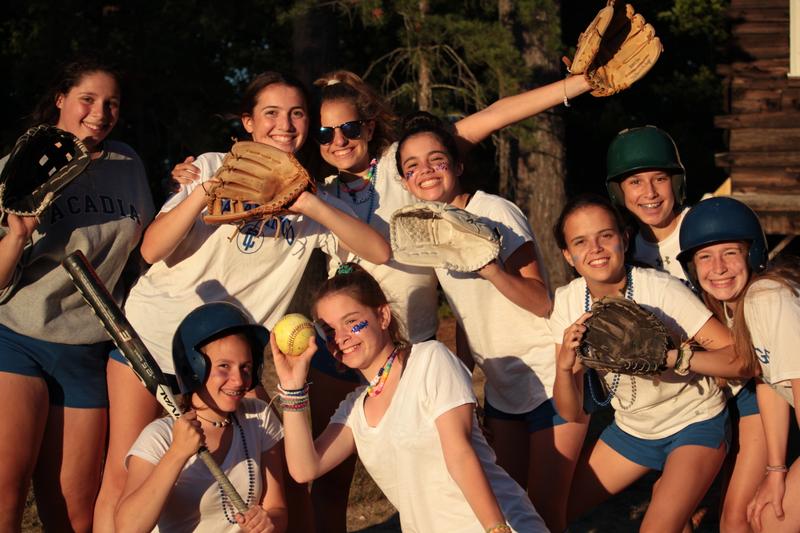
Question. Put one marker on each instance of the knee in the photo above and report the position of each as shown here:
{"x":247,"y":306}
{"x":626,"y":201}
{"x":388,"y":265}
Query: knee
{"x":733,"y":520}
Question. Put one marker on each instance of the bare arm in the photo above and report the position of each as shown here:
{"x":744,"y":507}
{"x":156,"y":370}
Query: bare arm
{"x":463,"y":465}
{"x":169,"y":229}
{"x":568,"y":385}
{"x":520,"y":281}
{"x":148,"y":486}
{"x":354,"y":234}
{"x":13,"y":243}
{"x":462,"y":348}
{"x":720,"y":359}
{"x":511,"y":109}
{"x":307,"y":459}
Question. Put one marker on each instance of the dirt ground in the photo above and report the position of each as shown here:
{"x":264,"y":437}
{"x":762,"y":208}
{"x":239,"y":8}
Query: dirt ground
{"x":370,"y":512}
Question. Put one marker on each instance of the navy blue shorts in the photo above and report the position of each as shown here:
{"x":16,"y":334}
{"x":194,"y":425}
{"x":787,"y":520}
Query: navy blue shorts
{"x":75,"y":374}
{"x":653,"y":453}
{"x":744,"y":403}
{"x":544,"y":416}
{"x":172,"y":381}
{"x":325,"y":362}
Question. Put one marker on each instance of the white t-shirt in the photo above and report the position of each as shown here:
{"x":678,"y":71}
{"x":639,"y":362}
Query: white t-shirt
{"x":404,"y":456}
{"x":512,"y":346}
{"x":257,"y":271}
{"x":411,"y":290}
{"x":662,"y":254}
{"x":667,"y":403}
{"x":195,"y":503}
{"x":772,"y":313}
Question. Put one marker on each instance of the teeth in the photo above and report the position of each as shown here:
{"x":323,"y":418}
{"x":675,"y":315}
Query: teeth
{"x":598,"y":262}
{"x":651,"y":206}
{"x":233,"y":393}
{"x":349,"y":349}
{"x":428,"y":183}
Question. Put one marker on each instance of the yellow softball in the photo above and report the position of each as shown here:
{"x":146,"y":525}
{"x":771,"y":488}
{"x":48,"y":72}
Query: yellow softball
{"x":292,"y":333}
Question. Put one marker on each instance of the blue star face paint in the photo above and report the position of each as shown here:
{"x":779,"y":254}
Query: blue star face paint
{"x":358,"y":327}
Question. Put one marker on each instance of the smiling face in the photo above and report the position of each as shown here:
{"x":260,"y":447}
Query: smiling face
{"x":595,"y":245}
{"x":90,"y":109}
{"x":279,"y":118}
{"x":429,"y":172}
{"x":650,"y":198}
{"x":343,"y":153}
{"x":722,"y":270}
{"x":230,"y":372}
{"x":357,"y":335}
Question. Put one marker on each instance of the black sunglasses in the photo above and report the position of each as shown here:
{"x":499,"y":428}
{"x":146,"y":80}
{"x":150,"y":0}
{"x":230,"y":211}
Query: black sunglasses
{"x":351,"y":130}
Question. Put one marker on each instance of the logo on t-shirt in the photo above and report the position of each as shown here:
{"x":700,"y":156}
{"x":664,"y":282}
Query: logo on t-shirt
{"x":251,"y":236}
{"x":762,"y":354}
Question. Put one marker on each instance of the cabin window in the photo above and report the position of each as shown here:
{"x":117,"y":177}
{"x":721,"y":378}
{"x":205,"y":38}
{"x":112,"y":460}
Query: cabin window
{"x":794,"y":39}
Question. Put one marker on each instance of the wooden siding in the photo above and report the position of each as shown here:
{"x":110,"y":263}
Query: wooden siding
{"x":763,"y":123}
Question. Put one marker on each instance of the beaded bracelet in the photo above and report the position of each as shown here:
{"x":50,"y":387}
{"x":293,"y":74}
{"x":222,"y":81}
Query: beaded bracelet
{"x":500,"y":527}
{"x":777,"y":468}
{"x":294,"y":399}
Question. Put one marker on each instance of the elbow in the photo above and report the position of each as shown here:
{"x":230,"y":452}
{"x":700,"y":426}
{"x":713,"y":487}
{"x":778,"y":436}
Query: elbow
{"x":380,"y":253}
{"x":301,"y":475}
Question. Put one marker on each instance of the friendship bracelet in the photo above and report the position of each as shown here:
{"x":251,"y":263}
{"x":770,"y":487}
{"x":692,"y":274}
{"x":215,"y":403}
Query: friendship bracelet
{"x":777,"y":468}
{"x":684,"y":361}
{"x":566,"y":100}
{"x":500,"y":527}
{"x":294,"y":392}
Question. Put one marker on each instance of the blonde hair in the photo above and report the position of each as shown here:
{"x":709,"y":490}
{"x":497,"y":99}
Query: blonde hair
{"x":787,"y":273}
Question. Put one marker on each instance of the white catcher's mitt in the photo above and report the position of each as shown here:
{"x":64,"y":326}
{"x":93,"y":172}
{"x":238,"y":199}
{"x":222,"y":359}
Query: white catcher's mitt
{"x":435,"y":234}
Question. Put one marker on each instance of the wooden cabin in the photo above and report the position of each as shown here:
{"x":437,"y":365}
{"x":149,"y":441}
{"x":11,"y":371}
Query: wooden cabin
{"x":763,"y":104}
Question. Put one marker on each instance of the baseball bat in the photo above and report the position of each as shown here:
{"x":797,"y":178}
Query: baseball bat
{"x":136,"y":354}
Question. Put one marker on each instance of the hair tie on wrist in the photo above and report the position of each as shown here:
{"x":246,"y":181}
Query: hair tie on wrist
{"x":346,"y":268}
{"x":777,"y":468}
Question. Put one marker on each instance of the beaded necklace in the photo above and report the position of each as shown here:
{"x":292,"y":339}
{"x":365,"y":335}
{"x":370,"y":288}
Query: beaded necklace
{"x":612,"y":389}
{"x":372,"y":176}
{"x":230,"y":516}
{"x":216,"y":423}
{"x":377,"y":383}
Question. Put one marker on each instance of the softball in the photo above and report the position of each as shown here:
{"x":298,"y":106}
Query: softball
{"x":292,"y":333}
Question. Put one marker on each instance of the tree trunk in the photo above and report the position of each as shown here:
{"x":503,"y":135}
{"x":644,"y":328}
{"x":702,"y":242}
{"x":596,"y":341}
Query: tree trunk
{"x":537,"y":165}
{"x":425,"y":96}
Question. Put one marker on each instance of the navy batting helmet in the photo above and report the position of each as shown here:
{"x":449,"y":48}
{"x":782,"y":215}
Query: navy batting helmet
{"x":204,"y":324}
{"x":718,"y":220}
{"x":640,"y":149}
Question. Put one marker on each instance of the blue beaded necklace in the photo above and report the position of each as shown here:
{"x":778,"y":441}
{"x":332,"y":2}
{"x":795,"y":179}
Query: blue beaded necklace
{"x":230,"y":516}
{"x":612,"y":390}
{"x":372,"y":177}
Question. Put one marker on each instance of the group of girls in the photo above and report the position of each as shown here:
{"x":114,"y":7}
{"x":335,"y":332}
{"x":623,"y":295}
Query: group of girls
{"x":378,"y":318}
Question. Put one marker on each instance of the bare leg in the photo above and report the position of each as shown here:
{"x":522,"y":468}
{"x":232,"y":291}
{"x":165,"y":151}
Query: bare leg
{"x":688,"y":473}
{"x":131,"y":408}
{"x":20,"y":439}
{"x":791,"y":518}
{"x":553,"y":455}
{"x":600,"y":473}
{"x":748,"y":471}
{"x":511,"y":443}
{"x":330,"y":493}
{"x":67,"y":474}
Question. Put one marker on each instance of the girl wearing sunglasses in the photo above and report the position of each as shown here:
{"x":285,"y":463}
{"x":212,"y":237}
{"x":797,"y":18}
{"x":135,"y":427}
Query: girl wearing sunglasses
{"x":357,"y":138}
{"x":192,"y":263}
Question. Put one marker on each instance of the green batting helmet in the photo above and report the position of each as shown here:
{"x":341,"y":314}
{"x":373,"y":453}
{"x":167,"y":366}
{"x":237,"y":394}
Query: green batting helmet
{"x":645,"y":148}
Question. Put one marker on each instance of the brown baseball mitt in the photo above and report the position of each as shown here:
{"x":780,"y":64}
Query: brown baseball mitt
{"x":255,"y":181}
{"x":621,"y":336}
{"x":617,"y":48}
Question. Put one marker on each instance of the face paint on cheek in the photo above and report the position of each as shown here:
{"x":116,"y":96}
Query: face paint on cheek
{"x":575,"y":259}
{"x":358,"y":327}
{"x":442,"y":167}
{"x":409,"y":174}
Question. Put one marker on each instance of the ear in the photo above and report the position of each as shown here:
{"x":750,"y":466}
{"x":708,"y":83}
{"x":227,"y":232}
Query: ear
{"x":247,"y":122}
{"x":60,"y":100}
{"x":459,"y":169}
{"x":568,"y":258}
{"x":369,"y":126}
{"x":385,"y":315}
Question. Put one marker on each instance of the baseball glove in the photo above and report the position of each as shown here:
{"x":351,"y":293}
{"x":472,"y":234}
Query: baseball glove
{"x":44,"y":161}
{"x":435,"y":234}
{"x":255,"y":181}
{"x":623,"y":337}
{"x":616,"y":49}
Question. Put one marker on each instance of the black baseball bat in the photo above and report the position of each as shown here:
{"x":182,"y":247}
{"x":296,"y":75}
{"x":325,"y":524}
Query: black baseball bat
{"x":136,"y":354}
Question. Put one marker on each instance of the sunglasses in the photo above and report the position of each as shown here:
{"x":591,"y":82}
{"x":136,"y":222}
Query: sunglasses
{"x":351,"y":130}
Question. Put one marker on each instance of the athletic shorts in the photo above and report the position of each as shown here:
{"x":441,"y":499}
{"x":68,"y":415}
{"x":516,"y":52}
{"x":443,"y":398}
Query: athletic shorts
{"x":75,"y":374}
{"x":744,"y":403}
{"x":544,"y":416}
{"x":172,"y":381}
{"x":325,"y":362}
{"x":653,"y":453}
